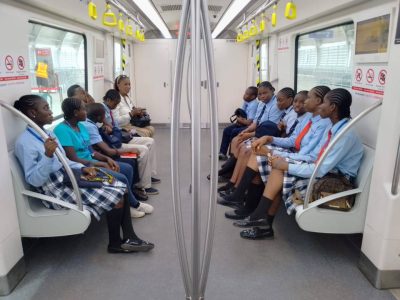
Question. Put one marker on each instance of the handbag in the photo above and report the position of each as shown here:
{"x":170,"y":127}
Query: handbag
{"x":114,"y":139}
{"x":331,"y":184}
{"x":238,"y":113}
{"x":267,"y":128}
{"x":85,"y":182}
{"x":142,"y":121}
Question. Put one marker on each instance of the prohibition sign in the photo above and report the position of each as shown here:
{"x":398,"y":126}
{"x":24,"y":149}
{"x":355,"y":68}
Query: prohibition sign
{"x":370,"y":75}
{"x":359,"y":75}
{"x":21,"y":63}
{"x":382,"y":77}
{"x":9,"y":62}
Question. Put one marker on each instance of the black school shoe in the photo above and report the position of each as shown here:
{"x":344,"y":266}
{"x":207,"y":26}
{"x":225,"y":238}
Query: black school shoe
{"x":228,"y":201}
{"x":257,"y":233}
{"x":140,"y":194}
{"x":237,"y":214}
{"x":131,"y":245}
{"x":246,"y":222}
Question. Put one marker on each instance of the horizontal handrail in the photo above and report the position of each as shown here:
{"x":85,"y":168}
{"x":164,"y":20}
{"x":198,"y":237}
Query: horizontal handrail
{"x":396,"y":172}
{"x":330,"y":146}
{"x":60,"y":156}
{"x":50,"y":199}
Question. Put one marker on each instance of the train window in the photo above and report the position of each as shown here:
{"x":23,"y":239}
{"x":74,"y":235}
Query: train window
{"x":117,"y":58}
{"x":325,"y":57}
{"x":57,"y":60}
{"x":264,"y":61}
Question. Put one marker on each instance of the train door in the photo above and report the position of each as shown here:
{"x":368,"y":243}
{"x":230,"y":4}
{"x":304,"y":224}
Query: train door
{"x":151,"y":81}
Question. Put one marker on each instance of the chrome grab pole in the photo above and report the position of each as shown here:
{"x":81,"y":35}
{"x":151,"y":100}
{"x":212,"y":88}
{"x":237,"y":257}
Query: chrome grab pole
{"x":196,"y":138}
{"x":60,"y":156}
{"x":176,"y":102}
{"x":330,"y":146}
{"x":396,"y":173}
{"x":212,"y":94}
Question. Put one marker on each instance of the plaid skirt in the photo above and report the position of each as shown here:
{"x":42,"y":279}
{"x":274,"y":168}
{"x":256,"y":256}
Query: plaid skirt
{"x":291,"y":184}
{"x":96,"y":201}
{"x":263,"y":167}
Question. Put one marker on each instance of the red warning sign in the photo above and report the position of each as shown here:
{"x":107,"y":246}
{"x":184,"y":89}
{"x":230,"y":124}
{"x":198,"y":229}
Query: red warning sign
{"x":382,"y":77}
{"x":21,"y":63}
{"x":359,"y":74}
{"x":9,"y":62}
{"x":370,"y":75}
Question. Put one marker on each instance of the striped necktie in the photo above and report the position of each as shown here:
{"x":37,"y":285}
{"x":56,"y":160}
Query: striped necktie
{"x":297,"y":143}
{"x":112,"y":118}
{"x":262,"y":112}
{"x":282,"y":116}
{"x":325,"y":145}
{"x":293,"y":127}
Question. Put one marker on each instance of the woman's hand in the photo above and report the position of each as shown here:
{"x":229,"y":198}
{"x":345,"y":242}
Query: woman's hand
{"x":50,"y":146}
{"x":101,"y":164}
{"x":258,"y":143}
{"x":89,"y":172}
{"x":244,"y":136}
{"x":278,"y":162}
{"x":262,"y":151}
{"x":107,"y":128}
{"x":281,"y":126}
{"x":136,"y":112}
{"x":112,"y":165}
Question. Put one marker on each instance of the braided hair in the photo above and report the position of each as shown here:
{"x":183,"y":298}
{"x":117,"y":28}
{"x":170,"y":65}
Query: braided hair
{"x":118,"y":80}
{"x":26,"y":103}
{"x":266,"y":84}
{"x":72,"y":90}
{"x":342,"y":99}
{"x":288,"y":92}
{"x":69,"y":106}
{"x":254,"y":90}
{"x":303,"y":93}
{"x":320,"y":91}
{"x":113,"y":95}
{"x":94,"y":110}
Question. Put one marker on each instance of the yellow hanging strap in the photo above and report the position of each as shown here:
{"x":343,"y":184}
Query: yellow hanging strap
{"x":262,"y":23}
{"x":246,"y":33}
{"x":92,"y":10}
{"x":273,"y":17}
{"x":239,"y":37}
{"x":121,"y":25}
{"x":129,"y":29}
{"x":123,"y":57}
{"x":290,"y":11}
{"x":253,"y":28}
{"x":41,"y":70}
{"x":142,"y":38}
{"x":109,"y":18}
{"x":258,"y":43}
{"x":138,"y":34}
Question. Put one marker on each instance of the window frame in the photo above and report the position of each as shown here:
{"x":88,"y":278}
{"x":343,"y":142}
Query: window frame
{"x":85,"y":51}
{"x":296,"y":58}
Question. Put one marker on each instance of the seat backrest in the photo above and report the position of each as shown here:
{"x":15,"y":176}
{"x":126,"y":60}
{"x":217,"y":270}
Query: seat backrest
{"x":366,"y":166}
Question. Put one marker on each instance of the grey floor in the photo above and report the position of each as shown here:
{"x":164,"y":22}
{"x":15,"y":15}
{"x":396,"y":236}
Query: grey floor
{"x":295,"y":265}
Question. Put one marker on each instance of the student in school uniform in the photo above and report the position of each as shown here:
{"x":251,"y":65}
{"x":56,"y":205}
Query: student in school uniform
{"x":96,"y":115}
{"x":76,"y":91}
{"x":298,"y":146}
{"x":249,"y":106}
{"x":145,"y":145}
{"x":75,"y":140}
{"x":128,"y":109}
{"x":288,"y":175}
{"x":44,"y":171}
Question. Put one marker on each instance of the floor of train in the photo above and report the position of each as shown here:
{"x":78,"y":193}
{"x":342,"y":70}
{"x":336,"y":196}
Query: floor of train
{"x":295,"y":265}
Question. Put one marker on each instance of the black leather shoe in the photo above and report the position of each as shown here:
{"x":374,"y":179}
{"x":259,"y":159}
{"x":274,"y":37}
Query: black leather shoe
{"x":140,"y":195}
{"x":118,"y":249}
{"x":227,"y":192}
{"x":257,"y":233}
{"x":136,"y":245}
{"x":249,"y":223}
{"x":227,"y":201}
{"x":237,"y":214}
{"x":225,"y":187}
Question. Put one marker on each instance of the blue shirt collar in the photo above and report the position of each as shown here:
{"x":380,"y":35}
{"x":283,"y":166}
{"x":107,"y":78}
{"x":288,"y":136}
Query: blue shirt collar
{"x":339,"y":125}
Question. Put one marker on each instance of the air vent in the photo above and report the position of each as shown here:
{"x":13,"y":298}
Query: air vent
{"x":177,"y":7}
{"x":171,"y":7}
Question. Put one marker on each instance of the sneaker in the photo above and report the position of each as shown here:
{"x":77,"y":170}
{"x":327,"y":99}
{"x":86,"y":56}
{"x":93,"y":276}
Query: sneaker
{"x":222,"y":156}
{"x":146,"y":208}
{"x":151,"y":191}
{"x":136,"y":213}
{"x":140,"y":194}
{"x":137,"y":245}
{"x":155,"y":180}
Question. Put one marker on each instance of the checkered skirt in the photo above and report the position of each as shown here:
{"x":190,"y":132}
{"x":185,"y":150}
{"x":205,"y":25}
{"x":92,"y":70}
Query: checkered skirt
{"x":263,"y":167}
{"x":96,"y":201}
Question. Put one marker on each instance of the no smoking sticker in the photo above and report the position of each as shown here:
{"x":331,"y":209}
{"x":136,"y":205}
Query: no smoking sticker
{"x":370,"y":75}
{"x":21,"y":63}
{"x":382,"y":77}
{"x":359,"y":75}
{"x":9,"y":62}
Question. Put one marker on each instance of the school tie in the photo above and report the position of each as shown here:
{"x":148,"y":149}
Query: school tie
{"x":112,"y":118}
{"x":324,"y":146}
{"x":301,"y":135}
{"x":293,"y":127}
{"x":282,"y":116}
{"x":262,"y":112}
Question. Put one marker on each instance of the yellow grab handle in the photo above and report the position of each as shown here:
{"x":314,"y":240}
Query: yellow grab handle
{"x":92,"y":10}
{"x":108,"y":14}
{"x":138,"y":34}
{"x":129,"y":30}
{"x":273,"y":17}
{"x":290,"y":11}
{"x":121,"y":25}
{"x":253,"y":29}
{"x":239,"y":38}
{"x":262,"y":23}
{"x":246,"y":34}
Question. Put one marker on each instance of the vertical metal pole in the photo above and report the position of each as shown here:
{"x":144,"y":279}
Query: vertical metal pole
{"x":209,"y":54}
{"x":196,"y":119}
{"x":176,"y":102}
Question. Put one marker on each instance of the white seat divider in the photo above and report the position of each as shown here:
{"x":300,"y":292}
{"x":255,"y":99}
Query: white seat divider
{"x":35,"y":220}
{"x":317,"y":219}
